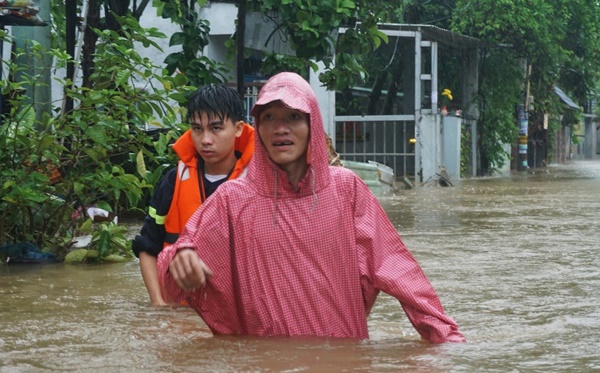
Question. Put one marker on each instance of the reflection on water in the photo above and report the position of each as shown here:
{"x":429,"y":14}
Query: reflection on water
{"x":514,"y":260}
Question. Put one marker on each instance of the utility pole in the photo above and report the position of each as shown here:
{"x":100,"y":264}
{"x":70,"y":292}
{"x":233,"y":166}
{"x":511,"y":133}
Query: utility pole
{"x":522,"y":161}
{"x":523,"y":129}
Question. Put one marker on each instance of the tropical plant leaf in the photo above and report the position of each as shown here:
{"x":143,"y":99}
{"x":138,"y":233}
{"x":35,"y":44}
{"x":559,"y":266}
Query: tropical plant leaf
{"x":141,"y":164}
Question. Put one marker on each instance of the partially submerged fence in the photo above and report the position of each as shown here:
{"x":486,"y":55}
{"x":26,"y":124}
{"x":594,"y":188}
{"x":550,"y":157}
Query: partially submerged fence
{"x":387,"y":139}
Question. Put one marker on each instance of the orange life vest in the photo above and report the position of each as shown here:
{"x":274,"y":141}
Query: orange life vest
{"x":189,"y":188}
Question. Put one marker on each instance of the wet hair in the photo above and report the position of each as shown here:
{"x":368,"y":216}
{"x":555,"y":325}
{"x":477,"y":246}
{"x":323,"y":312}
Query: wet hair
{"x":216,"y":100}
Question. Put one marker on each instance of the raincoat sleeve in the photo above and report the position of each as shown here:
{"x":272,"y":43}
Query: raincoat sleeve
{"x":386,"y":265}
{"x":207,"y":233}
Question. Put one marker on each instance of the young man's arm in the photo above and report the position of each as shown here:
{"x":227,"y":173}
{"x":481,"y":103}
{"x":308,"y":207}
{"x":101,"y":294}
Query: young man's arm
{"x":149,"y":243}
{"x":148,"y":264}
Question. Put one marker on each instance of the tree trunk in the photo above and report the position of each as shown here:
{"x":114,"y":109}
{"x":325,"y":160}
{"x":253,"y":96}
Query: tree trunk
{"x":89,"y":42}
{"x":71,"y":25}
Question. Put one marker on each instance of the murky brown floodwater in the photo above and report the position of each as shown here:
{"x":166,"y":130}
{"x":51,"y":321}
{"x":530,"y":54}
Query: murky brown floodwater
{"x":516,"y":261}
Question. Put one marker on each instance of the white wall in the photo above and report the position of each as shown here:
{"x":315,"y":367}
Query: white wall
{"x":429,"y":146}
{"x":451,"y":138}
{"x":222,"y":17}
{"x":150,"y":19}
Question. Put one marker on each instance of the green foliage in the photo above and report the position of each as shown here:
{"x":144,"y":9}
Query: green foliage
{"x":110,"y":239}
{"x":97,"y":154}
{"x":312,"y":29}
{"x":465,"y":153}
{"x":108,"y":243}
{"x":352,"y":49}
{"x":276,"y":62}
{"x":559,"y":40}
{"x":310,"y":25}
{"x":438,"y":12}
{"x":499,"y":95}
{"x":193,"y":37}
{"x":58,"y":24}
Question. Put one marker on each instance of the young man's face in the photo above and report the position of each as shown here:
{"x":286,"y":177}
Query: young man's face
{"x":215,"y":140}
{"x":285,"y":134}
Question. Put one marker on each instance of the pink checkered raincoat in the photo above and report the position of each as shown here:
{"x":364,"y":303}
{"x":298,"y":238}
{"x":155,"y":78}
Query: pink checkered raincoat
{"x":306,"y":262}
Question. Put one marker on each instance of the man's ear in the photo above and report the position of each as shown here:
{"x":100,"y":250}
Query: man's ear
{"x":239,"y":128}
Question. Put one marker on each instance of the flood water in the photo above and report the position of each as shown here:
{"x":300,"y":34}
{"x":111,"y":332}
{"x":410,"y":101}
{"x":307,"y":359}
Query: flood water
{"x":515,"y":261}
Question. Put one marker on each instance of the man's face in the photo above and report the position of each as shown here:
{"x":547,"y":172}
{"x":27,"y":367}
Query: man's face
{"x":285,"y":134}
{"x":215,"y":140}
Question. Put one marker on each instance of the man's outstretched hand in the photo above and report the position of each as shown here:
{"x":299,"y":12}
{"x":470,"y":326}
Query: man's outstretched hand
{"x":188,"y":271}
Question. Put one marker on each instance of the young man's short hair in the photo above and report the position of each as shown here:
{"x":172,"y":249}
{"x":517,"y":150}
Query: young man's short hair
{"x":216,"y":100}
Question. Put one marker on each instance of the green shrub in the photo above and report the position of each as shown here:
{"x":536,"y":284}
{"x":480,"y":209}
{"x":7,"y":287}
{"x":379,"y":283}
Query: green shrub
{"x":97,"y":154}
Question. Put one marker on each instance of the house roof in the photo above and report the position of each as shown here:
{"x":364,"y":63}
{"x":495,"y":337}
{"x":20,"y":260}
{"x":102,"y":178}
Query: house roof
{"x":566,"y":99}
{"x":433,"y":33}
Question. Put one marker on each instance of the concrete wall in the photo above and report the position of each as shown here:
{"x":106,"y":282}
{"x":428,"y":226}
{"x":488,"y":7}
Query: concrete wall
{"x":590,"y":146}
{"x":451,"y":136}
{"x":429,"y":146}
{"x":439,"y":144}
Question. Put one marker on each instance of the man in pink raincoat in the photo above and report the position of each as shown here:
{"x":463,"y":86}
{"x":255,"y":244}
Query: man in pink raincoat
{"x":298,"y":247}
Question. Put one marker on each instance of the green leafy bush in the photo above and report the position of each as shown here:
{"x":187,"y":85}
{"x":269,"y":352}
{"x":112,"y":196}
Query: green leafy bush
{"x":97,"y":154}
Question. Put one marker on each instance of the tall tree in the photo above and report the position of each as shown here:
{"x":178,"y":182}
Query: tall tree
{"x":558,"y":39}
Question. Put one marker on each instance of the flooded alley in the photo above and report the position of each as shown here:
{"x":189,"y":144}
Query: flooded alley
{"x":515,"y":261}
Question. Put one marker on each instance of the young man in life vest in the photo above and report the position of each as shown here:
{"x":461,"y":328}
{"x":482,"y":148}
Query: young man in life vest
{"x":216,"y":148}
{"x":297,"y":247}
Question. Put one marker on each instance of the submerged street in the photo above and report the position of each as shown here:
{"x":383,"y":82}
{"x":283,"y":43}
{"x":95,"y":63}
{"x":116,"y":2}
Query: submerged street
{"x":515,"y":261}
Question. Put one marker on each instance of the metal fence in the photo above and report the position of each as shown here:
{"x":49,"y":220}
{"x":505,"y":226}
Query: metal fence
{"x":251,"y":90}
{"x":385,"y":139}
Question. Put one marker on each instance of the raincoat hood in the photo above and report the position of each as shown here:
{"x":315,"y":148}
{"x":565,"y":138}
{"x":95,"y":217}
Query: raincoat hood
{"x":295,"y":92}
